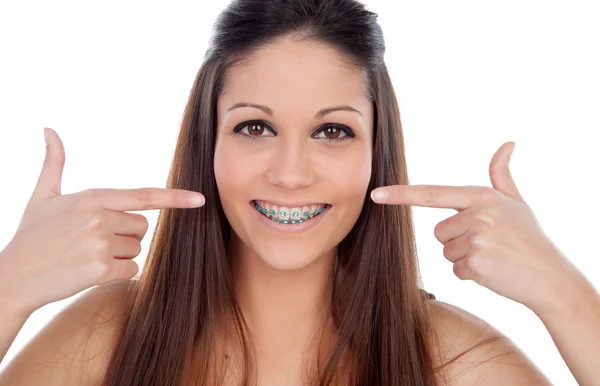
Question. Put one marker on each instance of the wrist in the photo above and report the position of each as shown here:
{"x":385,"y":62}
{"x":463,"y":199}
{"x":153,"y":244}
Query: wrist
{"x":9,"y":301}
{"x":571,"y":297}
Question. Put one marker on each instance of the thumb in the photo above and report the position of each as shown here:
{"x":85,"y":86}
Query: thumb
{"x":49,"y":182}
{"x":500,"y":174}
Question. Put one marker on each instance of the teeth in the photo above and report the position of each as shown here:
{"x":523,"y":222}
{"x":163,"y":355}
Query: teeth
{"x":295,"y":213}
{"x":284,"y":213}
{"x":292,"y":214}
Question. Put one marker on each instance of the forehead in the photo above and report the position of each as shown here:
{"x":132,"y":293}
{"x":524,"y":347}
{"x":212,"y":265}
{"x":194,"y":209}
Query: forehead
{"x":302,"y":77}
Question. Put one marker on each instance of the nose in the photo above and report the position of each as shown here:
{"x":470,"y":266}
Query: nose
{"x":291,"y":167}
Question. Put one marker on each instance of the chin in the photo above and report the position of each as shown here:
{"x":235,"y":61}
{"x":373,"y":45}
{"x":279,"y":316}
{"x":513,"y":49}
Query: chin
{"x":284,"y":260}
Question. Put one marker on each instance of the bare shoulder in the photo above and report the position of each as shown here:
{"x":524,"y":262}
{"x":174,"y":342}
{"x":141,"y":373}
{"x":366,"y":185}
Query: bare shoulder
{"x":74,"y":347}
{"x":482,"y":354}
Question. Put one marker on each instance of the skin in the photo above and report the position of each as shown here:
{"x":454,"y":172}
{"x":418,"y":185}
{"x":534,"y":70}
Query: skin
{"x":283,"y":280}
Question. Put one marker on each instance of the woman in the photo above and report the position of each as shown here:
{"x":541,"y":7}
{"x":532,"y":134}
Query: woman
{"x":291,"y":272}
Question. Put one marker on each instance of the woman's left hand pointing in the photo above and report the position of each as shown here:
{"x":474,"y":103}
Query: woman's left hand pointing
{"x":494,"y":239}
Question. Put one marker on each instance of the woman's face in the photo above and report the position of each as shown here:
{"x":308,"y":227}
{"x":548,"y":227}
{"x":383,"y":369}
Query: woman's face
{"x":287,"y":158}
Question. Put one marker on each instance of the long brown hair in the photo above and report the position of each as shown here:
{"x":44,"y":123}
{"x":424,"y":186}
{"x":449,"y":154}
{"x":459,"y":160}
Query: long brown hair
{"x":174,"y":314}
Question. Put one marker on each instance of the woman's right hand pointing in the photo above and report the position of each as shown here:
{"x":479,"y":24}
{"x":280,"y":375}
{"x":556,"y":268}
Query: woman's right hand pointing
{"x":68,"y":243}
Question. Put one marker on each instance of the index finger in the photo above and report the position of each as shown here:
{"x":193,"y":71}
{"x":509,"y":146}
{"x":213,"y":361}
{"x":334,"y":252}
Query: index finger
{"x":146,"y":198}
{"x":433,"y":196}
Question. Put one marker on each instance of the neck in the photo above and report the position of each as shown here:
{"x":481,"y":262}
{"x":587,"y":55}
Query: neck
{"x":283,"y":309}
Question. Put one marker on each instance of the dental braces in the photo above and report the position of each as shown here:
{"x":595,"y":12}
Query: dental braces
{"x":306,"y":215}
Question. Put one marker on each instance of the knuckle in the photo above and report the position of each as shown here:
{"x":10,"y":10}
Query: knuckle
{"x":101,"y":270}
{"x":456,"y":268}
{"x":485,"y":193}
{"x":431,"y":196}
{"x":138,"y":248}
{"x":460,"y":269}
{"x":96,"y":221}
{"x":87,"y":198}
{"x":476,"y":239}
{"x":484,"y":218}
{"x":470,"y":264}
{"x":102,"y":243}
{"x":144,"y":196}
{"x":474,"y":267}
{"x":463,"y":269}
{"x":88,"y":194}
{"x":438,"y":230}
{"x":143,"y":222}
{"x":134,"y":246}
{"x":446,"y":249}
{"x":130,"y":269}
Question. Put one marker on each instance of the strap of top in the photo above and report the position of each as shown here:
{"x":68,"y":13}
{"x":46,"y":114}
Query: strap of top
{"x":426,"y":294}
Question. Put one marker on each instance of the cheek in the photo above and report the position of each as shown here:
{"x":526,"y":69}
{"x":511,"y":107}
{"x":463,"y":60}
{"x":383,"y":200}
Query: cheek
{"x":231,"y":175}
{"x":350,"y":183}
{"x":354,"y":176}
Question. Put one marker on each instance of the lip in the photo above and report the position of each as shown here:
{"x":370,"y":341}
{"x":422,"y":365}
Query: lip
{"x":289,"y":205}
{"x":289,"y":227}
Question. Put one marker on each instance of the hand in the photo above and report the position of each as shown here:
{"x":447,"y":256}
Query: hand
{"x":68,"y":243}
{"x":494,"y":239}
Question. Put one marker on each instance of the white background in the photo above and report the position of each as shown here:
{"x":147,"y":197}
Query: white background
{"x":112,"y":79}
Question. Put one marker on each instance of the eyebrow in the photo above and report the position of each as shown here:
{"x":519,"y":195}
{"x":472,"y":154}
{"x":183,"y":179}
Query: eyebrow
{"x":321,"y":113}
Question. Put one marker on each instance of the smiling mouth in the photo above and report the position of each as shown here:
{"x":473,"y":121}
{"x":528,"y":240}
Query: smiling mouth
{"x":290,"y":216}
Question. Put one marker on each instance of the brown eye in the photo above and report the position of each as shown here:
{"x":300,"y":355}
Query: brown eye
{"x":255,"y":129}
{"x":332,"y":132}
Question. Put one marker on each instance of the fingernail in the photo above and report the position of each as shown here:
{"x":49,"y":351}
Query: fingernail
{"x":46,"y":134}
{"x":379,"y":195}
{"x":197,"y":200}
